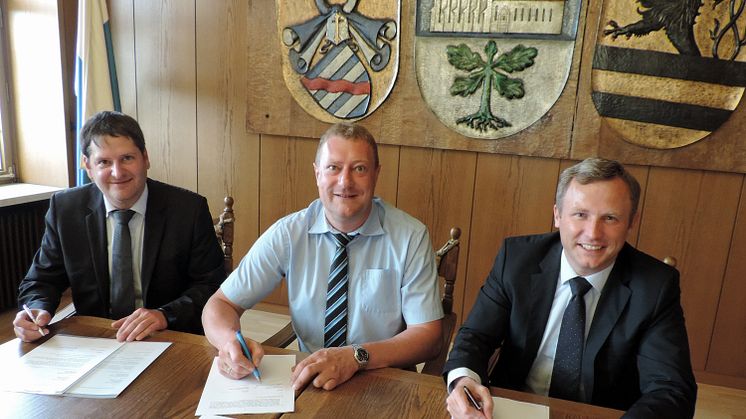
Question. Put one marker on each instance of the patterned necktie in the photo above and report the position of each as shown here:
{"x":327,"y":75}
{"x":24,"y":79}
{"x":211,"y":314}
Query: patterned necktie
{"x":122,"y":281}
{"x":569,"y":356}
{"x":335,"y":317}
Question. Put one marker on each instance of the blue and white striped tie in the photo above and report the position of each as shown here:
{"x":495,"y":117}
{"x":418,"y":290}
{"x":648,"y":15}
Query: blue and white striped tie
{"x":335,"y":318}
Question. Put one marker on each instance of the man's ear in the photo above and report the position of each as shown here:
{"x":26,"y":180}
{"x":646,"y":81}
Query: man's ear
{"x":87,"y":166}
{"x":147,"y":159}
{"x":556,"y":216}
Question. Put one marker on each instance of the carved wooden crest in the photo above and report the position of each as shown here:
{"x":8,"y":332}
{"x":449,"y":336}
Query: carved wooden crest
{"x":491,"y":68}
{"x":668,"y":73}
{"x":340,"y":59}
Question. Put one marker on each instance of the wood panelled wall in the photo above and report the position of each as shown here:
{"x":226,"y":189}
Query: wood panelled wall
{"x":182,"y":68}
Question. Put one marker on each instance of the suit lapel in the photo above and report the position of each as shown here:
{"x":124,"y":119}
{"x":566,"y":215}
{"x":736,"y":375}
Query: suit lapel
{"x":611,"y":304}
{"x":98,"y":243}
{"x":155,"y":222}
{"x":543,"y":287}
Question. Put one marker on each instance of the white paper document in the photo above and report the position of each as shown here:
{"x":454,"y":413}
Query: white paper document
{"x":79,"y":366}
{"x":225,"y":396}
{"x":507,"y":408}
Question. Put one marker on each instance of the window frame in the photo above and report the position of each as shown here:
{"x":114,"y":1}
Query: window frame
{"x":7,"y":134}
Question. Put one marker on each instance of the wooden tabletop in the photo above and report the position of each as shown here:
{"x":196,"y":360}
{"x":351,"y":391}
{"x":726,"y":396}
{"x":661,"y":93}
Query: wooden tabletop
{"x":172,"y":387}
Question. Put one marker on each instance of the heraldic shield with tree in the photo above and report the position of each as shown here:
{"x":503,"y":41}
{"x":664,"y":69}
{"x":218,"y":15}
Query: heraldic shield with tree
{"x":335,"y":55}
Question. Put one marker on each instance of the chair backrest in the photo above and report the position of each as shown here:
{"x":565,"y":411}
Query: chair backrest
{"x":447,"y":261}
{"x":224,"y":230}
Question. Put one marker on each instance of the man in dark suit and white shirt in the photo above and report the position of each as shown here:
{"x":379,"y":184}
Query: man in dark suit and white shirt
{"x":634,"y":352}
{"x":174,"y":261}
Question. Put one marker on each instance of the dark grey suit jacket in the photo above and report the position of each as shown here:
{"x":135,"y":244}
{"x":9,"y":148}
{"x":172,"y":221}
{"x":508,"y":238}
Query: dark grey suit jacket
{"x":636,"y":355}
{"x":182,"y":264}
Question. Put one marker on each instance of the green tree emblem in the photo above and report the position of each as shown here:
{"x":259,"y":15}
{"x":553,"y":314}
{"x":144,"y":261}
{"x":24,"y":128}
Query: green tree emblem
{"x":491,"y":74}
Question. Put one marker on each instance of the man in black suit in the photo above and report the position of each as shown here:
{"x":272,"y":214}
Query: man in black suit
{"x":176,"y":261}
{"x":635,"y":352}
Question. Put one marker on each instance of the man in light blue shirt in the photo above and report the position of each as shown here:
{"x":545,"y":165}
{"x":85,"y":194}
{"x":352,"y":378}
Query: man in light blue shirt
{"x":393,"y":306}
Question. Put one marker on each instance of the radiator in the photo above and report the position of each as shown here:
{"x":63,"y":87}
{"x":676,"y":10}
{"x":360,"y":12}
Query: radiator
{"x":21,"y":229}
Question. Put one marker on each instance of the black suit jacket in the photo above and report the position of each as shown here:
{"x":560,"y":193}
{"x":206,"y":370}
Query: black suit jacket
{"x":636,"y":354}
{"x":182,"y":264}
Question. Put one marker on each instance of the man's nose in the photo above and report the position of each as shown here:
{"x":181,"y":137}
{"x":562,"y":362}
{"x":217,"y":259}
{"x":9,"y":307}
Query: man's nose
{"x":115,"y":169}
{"x":345,"y":177}
{"x":595,"y":227}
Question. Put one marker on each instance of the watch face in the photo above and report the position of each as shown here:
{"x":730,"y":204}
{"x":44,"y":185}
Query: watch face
{"x":362,"y":355}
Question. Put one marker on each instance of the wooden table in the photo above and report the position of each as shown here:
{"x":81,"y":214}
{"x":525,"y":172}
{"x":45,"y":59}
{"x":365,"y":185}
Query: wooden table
{"x":172,"y":387}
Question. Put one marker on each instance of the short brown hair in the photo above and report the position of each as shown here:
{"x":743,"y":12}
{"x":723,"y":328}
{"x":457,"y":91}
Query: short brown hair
{"x":594,"y":169}
{"x":111,"y":123}
{"x":348,"y":131}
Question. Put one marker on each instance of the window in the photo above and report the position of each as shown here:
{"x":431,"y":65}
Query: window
{"x":7,"y":172}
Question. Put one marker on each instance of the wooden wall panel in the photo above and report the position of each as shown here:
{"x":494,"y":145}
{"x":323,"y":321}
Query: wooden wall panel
{"x":166,"y":88}
{"x":436,"y":187}
{"x":727,"y":347}
{"x":227,"y":155}
{"x":122,"y":24}
{"x":388,"y":157}
{"x":512,"y":196}
{"x":287,"y":184}
{"x":690,"y":215}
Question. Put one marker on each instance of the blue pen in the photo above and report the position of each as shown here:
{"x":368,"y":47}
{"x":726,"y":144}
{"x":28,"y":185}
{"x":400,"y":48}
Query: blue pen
{"x":240,"y":339}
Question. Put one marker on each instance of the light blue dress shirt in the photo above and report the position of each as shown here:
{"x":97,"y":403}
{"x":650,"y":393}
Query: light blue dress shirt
{"x":392,"y":274}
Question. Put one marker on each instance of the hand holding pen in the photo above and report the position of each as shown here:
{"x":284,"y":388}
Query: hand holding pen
{"x":247,"y":354}
{"x":28,"y":327}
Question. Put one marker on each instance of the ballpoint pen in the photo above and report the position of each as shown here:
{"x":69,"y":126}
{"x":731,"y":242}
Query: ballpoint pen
{"x":33,"y":319}
{"x":240,"y":339}
{"x":471,"y":398}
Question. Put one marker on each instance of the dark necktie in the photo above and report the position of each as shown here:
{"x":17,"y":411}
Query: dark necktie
{"x":335,"y":317}
{"x":122,"y":281}
{"x":569,"y":355}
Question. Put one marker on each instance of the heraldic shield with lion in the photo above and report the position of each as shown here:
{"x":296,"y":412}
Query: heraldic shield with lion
{"x":666,"y":73}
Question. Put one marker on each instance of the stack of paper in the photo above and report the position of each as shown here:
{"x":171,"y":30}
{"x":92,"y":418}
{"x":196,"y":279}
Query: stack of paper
{"x":79,"y":366}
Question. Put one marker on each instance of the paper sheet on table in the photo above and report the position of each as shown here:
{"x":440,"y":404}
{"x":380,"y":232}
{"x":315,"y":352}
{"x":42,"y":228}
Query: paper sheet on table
{"x":118,"y":371}
{"x":225,"y":396}
{"x":507,"y":408}
{"x":56,"y":364}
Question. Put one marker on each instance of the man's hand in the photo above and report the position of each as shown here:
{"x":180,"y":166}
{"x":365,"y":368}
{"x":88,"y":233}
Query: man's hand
{"x":327,"y":368}
{"x":233,"y":364}
{"x":140,"y":324}
{"x":459,"y":405}
{"x":26,"y":329}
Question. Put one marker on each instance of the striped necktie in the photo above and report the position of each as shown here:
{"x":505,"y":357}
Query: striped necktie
{"x":335,"y":318}
{"x":568,"y":358}
{"x":122,"y":280}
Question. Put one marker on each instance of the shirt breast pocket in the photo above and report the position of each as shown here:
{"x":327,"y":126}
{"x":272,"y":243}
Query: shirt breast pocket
{"x":378,"y":291}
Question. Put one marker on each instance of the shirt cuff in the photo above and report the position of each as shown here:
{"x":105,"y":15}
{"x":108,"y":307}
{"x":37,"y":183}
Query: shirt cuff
{"x":457,"y":373}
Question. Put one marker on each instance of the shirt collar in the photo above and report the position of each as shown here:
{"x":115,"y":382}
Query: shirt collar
{"x":597,"y":280}
{"x":139,"y":207}
{"x":373,"y":226}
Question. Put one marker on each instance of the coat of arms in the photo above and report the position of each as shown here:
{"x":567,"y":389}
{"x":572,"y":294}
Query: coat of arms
{"x":666,"y":73}
{"x":340,"y":60}
{"x":491,"y":68}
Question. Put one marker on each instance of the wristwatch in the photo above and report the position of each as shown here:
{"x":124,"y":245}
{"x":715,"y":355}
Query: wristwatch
{"x":361,"y":356}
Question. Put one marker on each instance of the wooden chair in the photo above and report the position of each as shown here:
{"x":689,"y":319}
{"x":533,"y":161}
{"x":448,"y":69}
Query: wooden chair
{"x":224,"y":230}
{"x":447,"y":261}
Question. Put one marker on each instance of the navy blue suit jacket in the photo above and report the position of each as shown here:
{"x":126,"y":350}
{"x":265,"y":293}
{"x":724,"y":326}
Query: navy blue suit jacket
{"x":182,"y":264}
{"x":636,"y":355}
